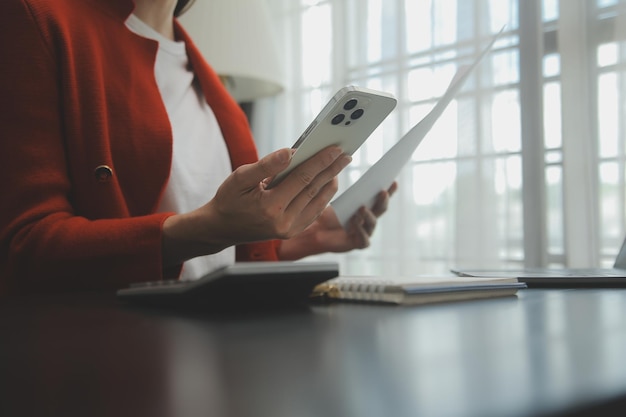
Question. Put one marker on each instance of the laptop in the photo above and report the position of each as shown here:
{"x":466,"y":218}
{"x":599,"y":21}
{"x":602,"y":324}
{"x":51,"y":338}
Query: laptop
{"x":560,"y":277}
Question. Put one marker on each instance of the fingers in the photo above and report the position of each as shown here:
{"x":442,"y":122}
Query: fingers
{"x":382,"y":200}
{"x":364,"y":221}
{"x":369,"y":220}
{"x":359,"y":236}
{"x":392,"y":188}
{"x":308,"y":207}
{"x":251,"y":175}
{"x":309,"y":171}
{"x":311,"y":186}
{"x":293,"y":204}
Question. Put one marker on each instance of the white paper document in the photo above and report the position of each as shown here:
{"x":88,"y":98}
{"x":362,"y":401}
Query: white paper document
{"x":382,"y":174}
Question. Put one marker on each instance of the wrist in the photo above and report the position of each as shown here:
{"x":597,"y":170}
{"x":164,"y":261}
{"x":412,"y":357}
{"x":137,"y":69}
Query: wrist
{"x":187,"y":236}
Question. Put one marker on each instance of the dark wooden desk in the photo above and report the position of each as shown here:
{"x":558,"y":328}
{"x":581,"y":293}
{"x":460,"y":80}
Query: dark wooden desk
{"x":546,"y":352}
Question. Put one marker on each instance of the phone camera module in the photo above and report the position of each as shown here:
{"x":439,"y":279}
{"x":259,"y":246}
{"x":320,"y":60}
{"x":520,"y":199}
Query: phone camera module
{"x":357,"y":114}
{"x":338,"y":119}
{"x":350,"y":104}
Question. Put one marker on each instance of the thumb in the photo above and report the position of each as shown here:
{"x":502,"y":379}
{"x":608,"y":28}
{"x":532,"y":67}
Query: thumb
{"x":266,"y":167}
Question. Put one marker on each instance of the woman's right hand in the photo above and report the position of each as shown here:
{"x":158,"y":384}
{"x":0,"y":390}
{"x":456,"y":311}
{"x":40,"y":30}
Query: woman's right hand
{"x":244,"y":210}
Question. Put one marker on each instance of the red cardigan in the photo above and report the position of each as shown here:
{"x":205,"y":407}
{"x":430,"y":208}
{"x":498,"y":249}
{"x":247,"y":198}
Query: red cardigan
{"x":86,"y":146}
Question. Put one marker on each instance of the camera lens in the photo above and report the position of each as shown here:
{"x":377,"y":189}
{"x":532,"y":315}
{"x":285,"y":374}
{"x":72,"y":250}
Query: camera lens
{"x":350,"y":104}
{"x":356,"y":114}
{"x":338,"y":119}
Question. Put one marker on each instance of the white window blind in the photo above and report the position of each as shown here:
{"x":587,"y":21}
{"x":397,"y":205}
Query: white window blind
{"x":525,"y":167}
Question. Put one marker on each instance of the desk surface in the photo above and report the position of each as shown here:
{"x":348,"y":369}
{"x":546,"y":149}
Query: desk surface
{"x":544,"y":352}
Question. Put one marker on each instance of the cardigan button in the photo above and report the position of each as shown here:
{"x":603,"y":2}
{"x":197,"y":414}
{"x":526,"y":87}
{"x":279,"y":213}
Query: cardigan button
{"x":103,"y":173}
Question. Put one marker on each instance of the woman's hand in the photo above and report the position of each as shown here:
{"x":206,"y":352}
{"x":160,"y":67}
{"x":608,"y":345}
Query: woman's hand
{"x":326,"y":234}
{"x":244,"y":210}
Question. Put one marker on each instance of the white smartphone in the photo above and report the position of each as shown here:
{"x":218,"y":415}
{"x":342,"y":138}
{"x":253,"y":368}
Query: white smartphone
{"x":347,"y":120}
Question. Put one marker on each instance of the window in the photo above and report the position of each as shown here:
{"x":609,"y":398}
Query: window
{"x":525,"y":167}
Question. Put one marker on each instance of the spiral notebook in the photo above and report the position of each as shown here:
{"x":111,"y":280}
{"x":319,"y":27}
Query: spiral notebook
{"x":415,"y":290}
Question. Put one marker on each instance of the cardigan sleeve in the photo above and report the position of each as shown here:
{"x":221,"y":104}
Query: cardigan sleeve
{"x":44,"y":244}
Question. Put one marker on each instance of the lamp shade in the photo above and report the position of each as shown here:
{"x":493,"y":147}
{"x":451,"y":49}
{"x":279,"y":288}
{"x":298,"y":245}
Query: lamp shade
{"x":237,"y":39}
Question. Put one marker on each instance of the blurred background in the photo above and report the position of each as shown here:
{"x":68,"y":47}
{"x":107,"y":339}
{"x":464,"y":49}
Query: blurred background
{"x":525,"y":168}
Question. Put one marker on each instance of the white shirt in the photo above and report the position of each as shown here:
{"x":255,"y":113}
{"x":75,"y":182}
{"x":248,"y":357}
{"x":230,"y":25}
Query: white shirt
{"x":200,"y":159}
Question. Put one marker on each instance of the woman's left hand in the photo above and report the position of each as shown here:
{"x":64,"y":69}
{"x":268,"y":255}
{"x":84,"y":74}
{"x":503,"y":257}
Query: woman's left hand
{"x":326,"y":234}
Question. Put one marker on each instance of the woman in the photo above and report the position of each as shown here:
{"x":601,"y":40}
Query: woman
{"x":107,"y":112}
